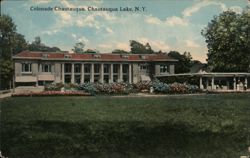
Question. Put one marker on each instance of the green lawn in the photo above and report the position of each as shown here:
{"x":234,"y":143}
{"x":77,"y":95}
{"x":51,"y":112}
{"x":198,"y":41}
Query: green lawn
{"x":207,"y":126}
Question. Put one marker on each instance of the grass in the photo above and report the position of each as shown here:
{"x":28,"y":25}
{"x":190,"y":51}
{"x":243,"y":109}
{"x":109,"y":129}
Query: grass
{"x":206,"y":126}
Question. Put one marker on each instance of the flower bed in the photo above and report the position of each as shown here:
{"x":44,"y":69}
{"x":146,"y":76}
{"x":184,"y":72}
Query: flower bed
{"x":121,"y":88}
{"x":52,"y":93}
{"x":174,"y":88}
{"x":106,"y":88}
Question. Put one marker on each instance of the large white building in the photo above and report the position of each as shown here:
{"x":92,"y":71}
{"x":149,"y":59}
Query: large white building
{"x":39,"y":68}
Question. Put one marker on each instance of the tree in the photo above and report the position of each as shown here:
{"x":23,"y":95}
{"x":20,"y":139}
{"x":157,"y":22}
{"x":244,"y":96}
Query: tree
{"x":138,"y":48}
{"x":228,"y":41}
{"x":11,"y":43}
{"x":37,"y":41}
{"x":119,"y":51}
{"x":90,"y":51}
{"x":184,"y":61}
{"x":78,"y":48}
{"x":37,"y":45}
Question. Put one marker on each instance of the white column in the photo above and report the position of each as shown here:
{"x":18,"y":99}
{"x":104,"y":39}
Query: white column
{"x":72,"y":73}
{"x":40,"y":68}
{"x":228,"y":85}
{"x":92,"y":73}
{"x":101,"y":73}
{"x":129,"y":73}
{"x":82,"y":73}
{"x":207,"y":84}
{"x":235,"y":86}
{"x":246,"y":83}
{"x":120,"y":74}
{"x":201,"y":85}
{"x":111,"y":79}
{"x":212,"y":83}
{"x":63,"y":73}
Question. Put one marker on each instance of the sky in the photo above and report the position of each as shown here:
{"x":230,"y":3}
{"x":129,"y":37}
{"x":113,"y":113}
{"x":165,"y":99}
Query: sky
{"x":167,"y":25}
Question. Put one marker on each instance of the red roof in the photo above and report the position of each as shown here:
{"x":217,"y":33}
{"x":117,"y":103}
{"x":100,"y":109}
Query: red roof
{"x":92,"y":57}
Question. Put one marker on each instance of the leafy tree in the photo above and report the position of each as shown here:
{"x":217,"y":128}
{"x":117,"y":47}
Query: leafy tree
{"x":78,"y":48}
{"x":228,"y":42}
{"x":91,"y":51}
{"x":119,"y":51}
{"x":184,"y":61}
{"x":11,"y":43}
{"x":138,"y":48}
{"x":37,"y":45}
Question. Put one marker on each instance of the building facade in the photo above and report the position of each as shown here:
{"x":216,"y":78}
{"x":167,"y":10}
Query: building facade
{"x":40,"y":68}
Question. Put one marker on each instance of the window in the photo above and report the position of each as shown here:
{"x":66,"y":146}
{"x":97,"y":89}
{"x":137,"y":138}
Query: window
{"x":67,"y":68}
{"x":46,"y":68}
{"x":77,"y":68}
{"x":45,"y":55}
{"x":67,"y":79}
{"x":96,"y":55}
{"x":124,"y":56}
{"x":78,"y":79}
{"x":26,"y":67}
{"x":115,"y":68}
{"x":67,"y":56}
{"x":87,"y":68}
{"x":125,"y":69}
{"x":144,"y":68}
{"x":163,"y":68}
{"x":143,"y":57}
{"x":106,"y":68}
{"x":97,"y":68}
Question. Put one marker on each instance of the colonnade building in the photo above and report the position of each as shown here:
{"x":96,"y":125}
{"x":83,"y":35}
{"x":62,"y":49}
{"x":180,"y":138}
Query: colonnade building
{"x":40,"y":68}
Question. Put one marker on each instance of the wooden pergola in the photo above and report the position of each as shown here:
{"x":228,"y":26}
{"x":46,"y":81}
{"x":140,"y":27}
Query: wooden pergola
{"x":218,"y":80}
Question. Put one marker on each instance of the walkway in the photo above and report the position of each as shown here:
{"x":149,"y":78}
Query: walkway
{"x":5,"y":95}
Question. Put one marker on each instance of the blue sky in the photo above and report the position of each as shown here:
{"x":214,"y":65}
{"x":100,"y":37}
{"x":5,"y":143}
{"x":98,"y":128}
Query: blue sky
{"x":166,"y":24}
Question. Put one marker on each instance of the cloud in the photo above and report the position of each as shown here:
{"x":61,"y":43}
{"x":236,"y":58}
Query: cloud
{"x":41,"y":1}
{"x":122,"y":46}
{"x":155,"y":44}
{"x":51,"y":32}
{"x":153,"y":20}
{"x":191,"y":44}
{"x":67,"y":4}
{"x":105,"y":46}
{"x":83,"y":39}
{"x":64,"y":15}
{"x":197,"y":6}
{"x":109,"y":30}
{"x":170,"y":21}
{"x":236,"y":9}
{"x":73,"y":35}
{"x":174,"y":20}
{"x":79,"y":39}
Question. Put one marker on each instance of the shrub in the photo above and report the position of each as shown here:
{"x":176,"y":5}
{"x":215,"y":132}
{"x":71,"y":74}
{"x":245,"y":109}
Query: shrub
{"x":160,"y":87}
{"x":51,"y":93}
{"x":142,"y":85}
{"x":193,"y":88}
{"x":89,"y":88}
{"x":53,"y":87}
{"x":178,"y":88}
{"x":106,"y":88}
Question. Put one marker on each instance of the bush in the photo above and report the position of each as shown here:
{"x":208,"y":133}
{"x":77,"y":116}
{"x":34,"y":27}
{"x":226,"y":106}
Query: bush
{"x":142,"y":86}
{"x":124,"y":88}
{"x":51,"y":93}
{"x":89,"y":88}
{"x":178,"y":88}
{"x":53,"y":87}
{"x":160,"y":87}
{"x":106,"y":88}
{"x":193,"y":89}
{"x":174,"y":88}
